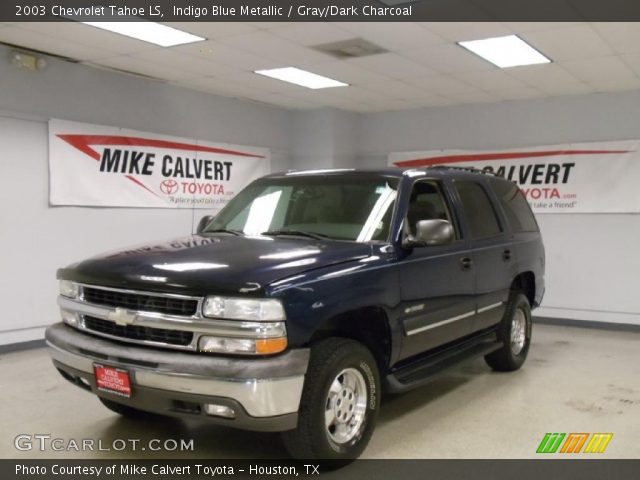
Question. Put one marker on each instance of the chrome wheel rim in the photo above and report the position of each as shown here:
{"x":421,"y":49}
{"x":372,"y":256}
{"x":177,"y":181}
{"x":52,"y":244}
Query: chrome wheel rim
{"x":346,"y":406}
{"x":518,"y":331}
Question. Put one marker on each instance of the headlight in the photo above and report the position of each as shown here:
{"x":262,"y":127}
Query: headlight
{"x":250,"y":309}
{"x":69,"y":289}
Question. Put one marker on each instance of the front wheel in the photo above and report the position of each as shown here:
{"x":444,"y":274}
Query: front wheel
{"x":339,"y":403}
{"x":515,"y":333}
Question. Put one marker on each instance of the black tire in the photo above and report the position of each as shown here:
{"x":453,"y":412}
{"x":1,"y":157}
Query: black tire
{"x":313,"y":440}
{"x":511,"y":356}
{"x":125,"y":410}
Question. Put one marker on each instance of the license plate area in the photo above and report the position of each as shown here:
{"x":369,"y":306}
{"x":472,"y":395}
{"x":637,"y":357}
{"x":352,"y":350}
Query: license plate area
{"x":112,"y":380}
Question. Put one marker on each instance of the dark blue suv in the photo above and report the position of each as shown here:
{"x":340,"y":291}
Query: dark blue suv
{"x":308,"y":295}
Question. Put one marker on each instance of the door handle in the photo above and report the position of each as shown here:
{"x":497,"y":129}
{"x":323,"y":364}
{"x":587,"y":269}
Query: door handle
{"x":466,"y":263}
{"x":506,"y":255}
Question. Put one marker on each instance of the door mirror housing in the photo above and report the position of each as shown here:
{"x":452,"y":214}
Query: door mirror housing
{"x":202,"y":224}
{"x":430,"y":233}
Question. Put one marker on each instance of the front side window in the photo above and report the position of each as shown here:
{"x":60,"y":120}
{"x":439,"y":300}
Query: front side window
{"x":426,"y":203}
{"x":346,"y":207}
{"x":479,"y":214}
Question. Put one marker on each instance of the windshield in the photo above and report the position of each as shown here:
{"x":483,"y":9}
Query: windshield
{"x":346,"y":207}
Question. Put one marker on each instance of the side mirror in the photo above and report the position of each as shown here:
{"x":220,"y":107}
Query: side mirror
{"x":202,"y":224}
{"x":431,"y":233}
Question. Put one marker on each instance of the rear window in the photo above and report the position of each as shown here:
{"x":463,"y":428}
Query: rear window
{"x":515,"y":206}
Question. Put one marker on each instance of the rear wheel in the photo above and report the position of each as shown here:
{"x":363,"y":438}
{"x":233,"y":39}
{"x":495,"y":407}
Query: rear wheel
{"x":515,"y":334}
{"x":339,"y":404}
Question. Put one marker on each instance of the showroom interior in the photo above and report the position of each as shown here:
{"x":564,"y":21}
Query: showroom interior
{"x":410,"y":87}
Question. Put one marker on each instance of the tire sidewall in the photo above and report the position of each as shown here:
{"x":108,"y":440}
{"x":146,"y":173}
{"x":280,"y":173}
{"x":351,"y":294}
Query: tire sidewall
{"x":519,"y":302}
{"x":360,"y":359}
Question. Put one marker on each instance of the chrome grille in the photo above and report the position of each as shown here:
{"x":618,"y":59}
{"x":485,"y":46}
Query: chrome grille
{"x":137,"y":332}
{"x":141,"y":302}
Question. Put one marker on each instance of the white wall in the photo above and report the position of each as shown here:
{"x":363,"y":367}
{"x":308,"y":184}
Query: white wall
{"x":592,"y":260}
{"x":36,"y":239}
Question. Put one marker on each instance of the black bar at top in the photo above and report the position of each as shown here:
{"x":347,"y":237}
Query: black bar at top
{"x":328,"y":10}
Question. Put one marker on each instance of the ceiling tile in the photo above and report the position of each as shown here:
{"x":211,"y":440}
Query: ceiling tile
{"x":489,"y":80}
{"x":394,"y":35}
{"x":568,"y":43}
{"x":143,"y":67}
{"x":475,"y":96}
{"x":446,"y":85}
{"x":448,"y":58}
{"x":344,"y":72}
{"x":271,"y":46}
{"x":45,"y":43}
{"x":216,"y":52}
{"x":577,"y":88}
{"x":520,"y":27}
{"x":600,"y":69}
{"x":543,"y":75}
{"x":176,"y":62}
{"x":615,"y":84}
{"x":461,"y":31}
{"x":312,"y":33}
{"x":399,"y":90}
{"x":90,"y":37}
{"x":213,"y":30}
{"x":522,"y":93}
{"x":393,"y":65}
{"x":632,"y":60}
{"x":623,"y":37}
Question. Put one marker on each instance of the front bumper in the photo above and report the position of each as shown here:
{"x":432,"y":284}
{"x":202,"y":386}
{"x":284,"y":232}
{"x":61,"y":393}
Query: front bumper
{"x":265,"y":393}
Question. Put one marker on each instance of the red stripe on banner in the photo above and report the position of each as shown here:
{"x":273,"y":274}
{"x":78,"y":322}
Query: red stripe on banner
{"x":82,"y":142}
{"x":479,"y":157}
{"x":138,"y":182}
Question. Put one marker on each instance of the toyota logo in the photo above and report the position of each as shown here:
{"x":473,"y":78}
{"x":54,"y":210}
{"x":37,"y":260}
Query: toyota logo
{"x":168,"y":187}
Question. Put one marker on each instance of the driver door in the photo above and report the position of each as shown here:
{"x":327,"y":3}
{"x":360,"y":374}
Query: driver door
{"x":436,"y":282}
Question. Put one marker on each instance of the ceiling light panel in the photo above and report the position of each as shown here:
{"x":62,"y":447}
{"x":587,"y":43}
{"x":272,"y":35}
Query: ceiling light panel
{"x":505,"y":52}
{"x":301,"y":77}
{"x":150,"y":32}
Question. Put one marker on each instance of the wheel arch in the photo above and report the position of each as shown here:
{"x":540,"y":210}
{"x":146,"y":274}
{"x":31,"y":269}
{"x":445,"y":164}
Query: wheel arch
{"x":526,"y":283}
{"x":367,"y":325}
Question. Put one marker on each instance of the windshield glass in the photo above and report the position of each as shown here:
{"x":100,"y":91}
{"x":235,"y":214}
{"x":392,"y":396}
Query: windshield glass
{"x":345,"y":207}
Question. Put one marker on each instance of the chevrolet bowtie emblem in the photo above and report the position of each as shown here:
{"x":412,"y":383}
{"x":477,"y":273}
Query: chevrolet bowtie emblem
{"x":122,"y":317}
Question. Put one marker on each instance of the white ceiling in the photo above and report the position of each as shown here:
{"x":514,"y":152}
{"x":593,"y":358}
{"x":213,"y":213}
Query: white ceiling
{"x":424,"y":66}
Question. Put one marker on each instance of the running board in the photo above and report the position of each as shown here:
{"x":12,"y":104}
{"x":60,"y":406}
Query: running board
{"x":421,"y":371}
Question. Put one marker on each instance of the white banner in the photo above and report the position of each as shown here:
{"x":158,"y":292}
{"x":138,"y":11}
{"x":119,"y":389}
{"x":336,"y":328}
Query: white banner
{"x":93,"y":165}
{"x":573,"y":178}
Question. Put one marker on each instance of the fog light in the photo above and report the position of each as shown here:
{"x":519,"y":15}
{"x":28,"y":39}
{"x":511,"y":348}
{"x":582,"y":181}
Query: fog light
{"x":70,"y":318}
{"x":227,"y":345}
{"x":85,"y":381}
{"x":219,"y":410}
{"x":247,"y":346}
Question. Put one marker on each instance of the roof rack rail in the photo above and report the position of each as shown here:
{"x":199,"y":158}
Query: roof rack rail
{"x":464,"y":169}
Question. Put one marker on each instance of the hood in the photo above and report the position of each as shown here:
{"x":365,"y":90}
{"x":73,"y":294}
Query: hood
{"x":201,"y":265}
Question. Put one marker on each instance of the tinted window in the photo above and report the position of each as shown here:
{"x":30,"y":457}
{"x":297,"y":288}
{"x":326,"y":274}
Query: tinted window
{"x":426,"y":203}
{"x":479,"y":215}
{"x":515,"y":206}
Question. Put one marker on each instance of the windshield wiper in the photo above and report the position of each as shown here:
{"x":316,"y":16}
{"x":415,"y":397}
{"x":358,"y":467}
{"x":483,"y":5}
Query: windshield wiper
{"x":225,"y":230}
{"x":299,"y":233}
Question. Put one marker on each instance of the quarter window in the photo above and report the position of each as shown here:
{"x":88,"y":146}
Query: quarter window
{"x":515,"y":206}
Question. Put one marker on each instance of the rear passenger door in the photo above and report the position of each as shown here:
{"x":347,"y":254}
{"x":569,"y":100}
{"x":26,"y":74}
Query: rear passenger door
{"x":491,"y":250}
